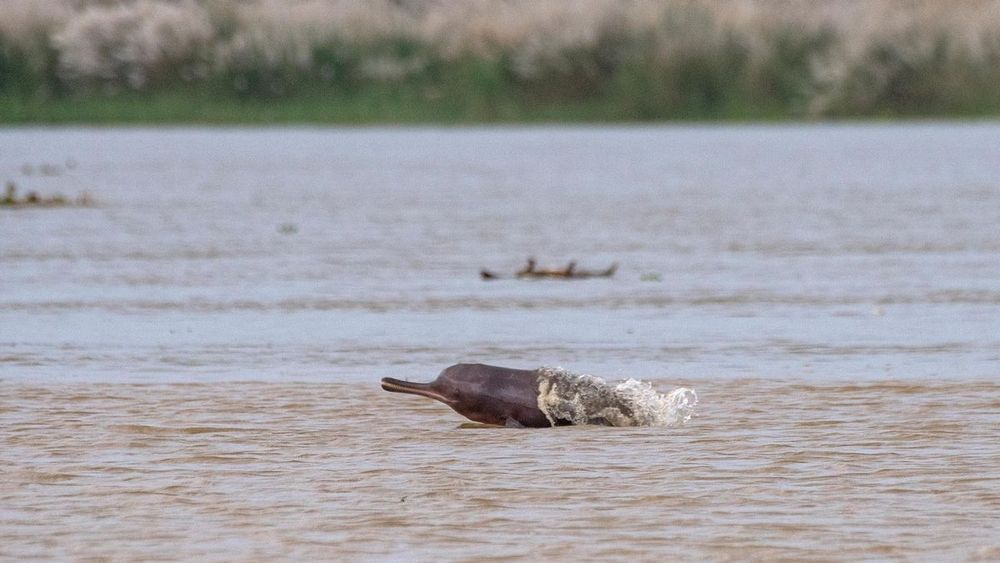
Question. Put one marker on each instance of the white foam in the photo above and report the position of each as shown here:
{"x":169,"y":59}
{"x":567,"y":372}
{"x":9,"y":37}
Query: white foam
{"x":586,"y":399}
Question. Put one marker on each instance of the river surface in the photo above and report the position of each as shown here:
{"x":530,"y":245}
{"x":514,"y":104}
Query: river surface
{"x":189,"y":366}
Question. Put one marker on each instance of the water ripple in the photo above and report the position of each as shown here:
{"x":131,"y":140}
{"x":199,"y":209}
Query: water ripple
{"x":894,"y":468}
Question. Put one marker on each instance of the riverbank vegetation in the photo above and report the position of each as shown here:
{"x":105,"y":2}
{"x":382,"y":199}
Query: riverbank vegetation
{"x":407,"y":61}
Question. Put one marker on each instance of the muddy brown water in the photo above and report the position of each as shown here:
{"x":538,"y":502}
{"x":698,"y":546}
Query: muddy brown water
{"x":189,"y":368}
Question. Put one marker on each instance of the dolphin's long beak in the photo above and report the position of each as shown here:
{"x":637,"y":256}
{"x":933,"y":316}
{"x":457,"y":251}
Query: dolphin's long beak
{"x":422,"y":389}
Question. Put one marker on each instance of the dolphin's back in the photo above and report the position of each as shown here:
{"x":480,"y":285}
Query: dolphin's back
{"x":502,"y":393}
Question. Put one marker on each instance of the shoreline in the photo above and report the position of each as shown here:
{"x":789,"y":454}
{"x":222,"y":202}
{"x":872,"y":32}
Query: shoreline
{"x":181,"y":124}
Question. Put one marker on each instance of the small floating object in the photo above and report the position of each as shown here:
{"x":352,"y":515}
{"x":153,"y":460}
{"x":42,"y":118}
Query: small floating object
{"x":569,"y":272}
{"x":45,"y":168}
{"x":288,"y":228}
{"x":49,"y":170}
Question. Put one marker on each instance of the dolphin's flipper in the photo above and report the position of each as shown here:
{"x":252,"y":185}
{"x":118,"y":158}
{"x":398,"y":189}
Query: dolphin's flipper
{"x":513,"y":423}
{"x":476,"y":426}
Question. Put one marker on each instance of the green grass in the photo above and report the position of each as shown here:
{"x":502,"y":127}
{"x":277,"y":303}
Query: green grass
{"x":384,"y":106}
{"x":364,"y":107}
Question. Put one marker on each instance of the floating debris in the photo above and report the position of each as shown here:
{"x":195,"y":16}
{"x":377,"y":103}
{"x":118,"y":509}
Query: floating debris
{"x":33,"y":199}
{"x":288,"y":228}
{"x":569,"y":272}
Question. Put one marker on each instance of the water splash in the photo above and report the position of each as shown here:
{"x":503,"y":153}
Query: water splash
{"x":586,"y":399}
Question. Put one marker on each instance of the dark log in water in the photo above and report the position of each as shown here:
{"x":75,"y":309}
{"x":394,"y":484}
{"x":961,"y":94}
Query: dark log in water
{"x":569,"y":272}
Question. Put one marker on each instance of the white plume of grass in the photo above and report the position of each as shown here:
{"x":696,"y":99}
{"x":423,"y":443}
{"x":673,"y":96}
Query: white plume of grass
{"x":130,"y":44}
